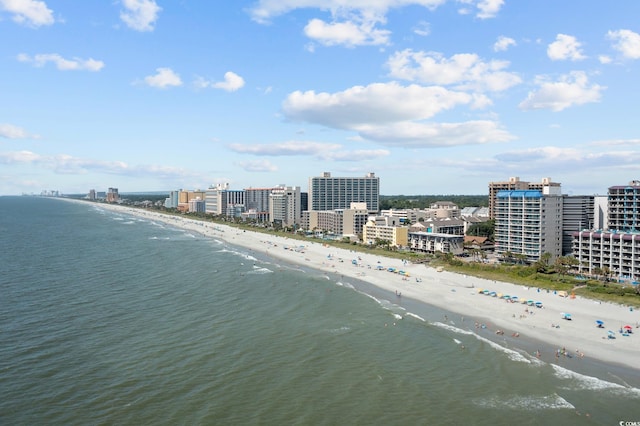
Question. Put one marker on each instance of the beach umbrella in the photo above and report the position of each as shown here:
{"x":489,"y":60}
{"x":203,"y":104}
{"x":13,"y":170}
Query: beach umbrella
{"x":628,"y":327}
{"x":599,"y":322}
{"x":538,"y":304}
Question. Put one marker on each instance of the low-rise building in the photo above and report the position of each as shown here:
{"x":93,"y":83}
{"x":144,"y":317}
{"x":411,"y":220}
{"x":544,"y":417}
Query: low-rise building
{"x":430,"y":242}
{"x":616,"y":254}
{"x":340,"y":222}
{"x":396,"y":235}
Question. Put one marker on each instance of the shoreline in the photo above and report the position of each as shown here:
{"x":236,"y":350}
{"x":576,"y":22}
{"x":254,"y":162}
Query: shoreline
{"x":579,"y":337}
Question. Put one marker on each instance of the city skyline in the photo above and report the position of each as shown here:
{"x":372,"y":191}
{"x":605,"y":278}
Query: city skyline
{"x":433,"y":96}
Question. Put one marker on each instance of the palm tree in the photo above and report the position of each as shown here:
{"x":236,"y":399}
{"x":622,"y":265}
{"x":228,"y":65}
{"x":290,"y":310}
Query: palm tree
{"x":542,"y":263}
{"x":522,"y":258}
{"x":597,"y":272}
{"x":507,"y":256}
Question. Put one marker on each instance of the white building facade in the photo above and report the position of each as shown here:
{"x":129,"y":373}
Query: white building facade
{"x":332,"y":193}
{"x":529,"y":222}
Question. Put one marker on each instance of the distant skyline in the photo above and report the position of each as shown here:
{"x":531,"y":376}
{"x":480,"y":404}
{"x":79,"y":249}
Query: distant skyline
{"x":433,"y":96}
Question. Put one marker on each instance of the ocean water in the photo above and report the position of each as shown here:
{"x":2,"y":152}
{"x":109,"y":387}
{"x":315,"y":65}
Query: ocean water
{"x":109,"y":319}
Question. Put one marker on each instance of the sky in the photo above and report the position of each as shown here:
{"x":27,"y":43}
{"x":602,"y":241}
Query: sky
{"x":433,"y":96}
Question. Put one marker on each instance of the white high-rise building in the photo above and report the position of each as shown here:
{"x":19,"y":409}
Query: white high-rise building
{"x":284,"y":206}
{"x":529,"y":223}
{"x":333,"y":193}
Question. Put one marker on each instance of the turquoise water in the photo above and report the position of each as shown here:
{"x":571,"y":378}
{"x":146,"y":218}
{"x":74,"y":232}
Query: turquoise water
{"x":109,"y":319}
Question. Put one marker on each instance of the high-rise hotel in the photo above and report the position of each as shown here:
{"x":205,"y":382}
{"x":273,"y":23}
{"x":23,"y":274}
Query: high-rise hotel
{"x":515,"y":184}
{"x":331,"y":193}
{"x":529,"y":222}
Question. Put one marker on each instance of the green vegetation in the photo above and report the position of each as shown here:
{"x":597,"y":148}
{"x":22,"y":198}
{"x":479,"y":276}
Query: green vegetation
{"x":424,"y":201}
{"x":556,"y":277}
{"x":483,"y":229}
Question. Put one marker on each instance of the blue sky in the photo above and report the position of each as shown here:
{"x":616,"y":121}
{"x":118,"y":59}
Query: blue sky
{"x":433,"y":96}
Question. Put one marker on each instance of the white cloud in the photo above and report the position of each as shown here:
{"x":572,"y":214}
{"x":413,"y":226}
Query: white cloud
{"x":568,"y":159}
{"x":422,"y":29}
{"x":616,"y":142}
{"x":32,"y":13}
{"x":604,"y":59}
{"x":353,"y":22}
{"x":355,"y":156}
{"x":565,"y":47}
{"x":19,"y":157}
{"x":258,"y":166}
{"x":348,"y":33}
{"x":75,"y":64}
{"x":288,"y":148}
{"x":486,"y":8}
{"x":164,"y":78}
{"x":503,"y":43}
{"x":265,"y":10}
{"x":231,"y":83}
{"x":9,"y":131}
{"x":67,"y":164}
{"x":626,"y":42}
{"x":140,"y":15}
{"x":380,"y":103}
{"x":465,"y":70}
{"x":394,"y":115}
{"x":319,"y":150}
{"x":426,"y":135}
{"x":571,"y":89}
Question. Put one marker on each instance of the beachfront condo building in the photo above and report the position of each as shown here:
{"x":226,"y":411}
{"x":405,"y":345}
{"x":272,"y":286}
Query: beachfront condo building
{"x":171,"y":202}
{"x":435,"y":242}
{"x":112,"y":195}
{"x":395,"y":234}
{"x":196,"y":205}
{"x":615,"y":250}
{"x":529,"y":223}
{"x":256,"y":200}
{"x":515,"y":184}
{"x":608,"y":253}
{"x":332,"y":193}
{"x":222,"y":201}
{"x":624,"y":207}
{"x":284,"y":206}
{"x":339,"y":223}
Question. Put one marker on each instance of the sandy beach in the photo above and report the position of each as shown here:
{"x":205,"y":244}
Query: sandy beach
{"x":579,"y":337}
